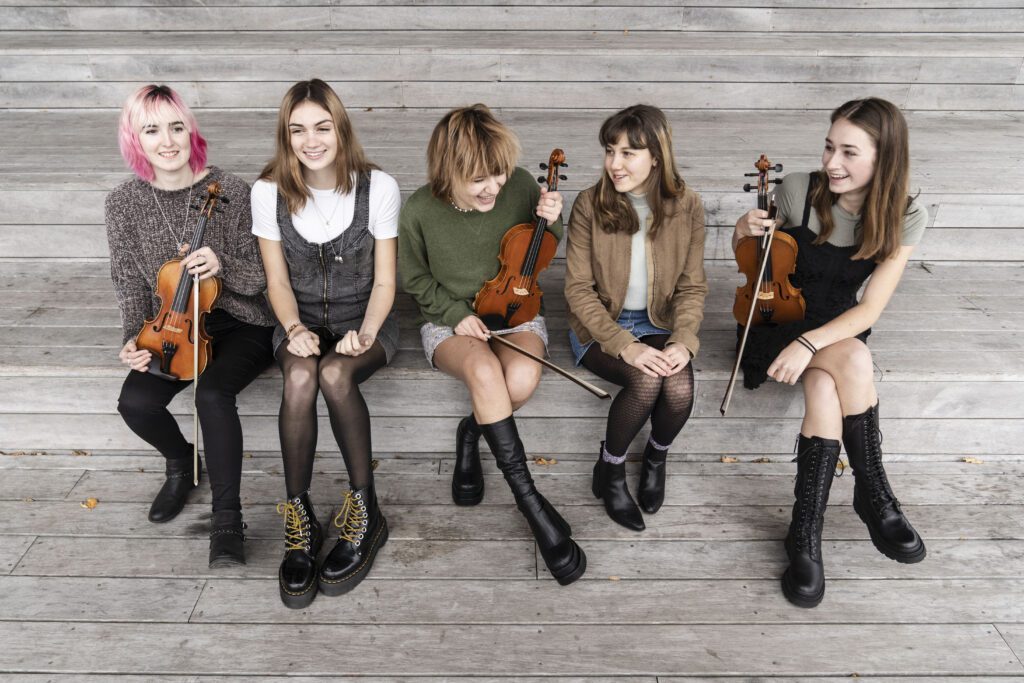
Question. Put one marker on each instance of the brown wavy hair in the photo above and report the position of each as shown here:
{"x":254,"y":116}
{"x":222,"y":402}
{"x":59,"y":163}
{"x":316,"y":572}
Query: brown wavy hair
{"x":645,"y":127}
{"x":888,"y":195}
{"x":467,"y":143}
{"x":285,"y":169}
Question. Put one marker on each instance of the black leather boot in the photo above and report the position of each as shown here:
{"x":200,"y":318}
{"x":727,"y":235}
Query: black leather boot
{"x":564,"y":559}
{"x":303,"y":538}
{"x":363,"y":531}
{"x":803,"y":582}
{"x":652,"y":479}
{"x":609,"y":484}
{"x":227,"y":539}
{"x":171,"y":498}
{"x":873,"y":498}
{"x":468,"y":477}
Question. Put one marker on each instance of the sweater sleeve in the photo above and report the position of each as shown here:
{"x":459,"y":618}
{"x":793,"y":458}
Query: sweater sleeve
{"x":691,"y":287}
{"x":436,"y":303}
{"x":241,"y":265}
{"x":134,"y":295}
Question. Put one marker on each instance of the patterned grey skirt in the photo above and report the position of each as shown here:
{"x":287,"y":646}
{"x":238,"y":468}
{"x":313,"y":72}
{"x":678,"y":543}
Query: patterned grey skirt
{"x":432,"y":335}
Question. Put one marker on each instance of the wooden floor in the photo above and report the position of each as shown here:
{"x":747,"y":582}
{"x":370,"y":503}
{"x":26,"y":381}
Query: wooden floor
{"x":99,"y":594}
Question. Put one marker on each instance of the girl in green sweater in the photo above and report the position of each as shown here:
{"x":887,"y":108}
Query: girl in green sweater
{"x":450,"y":233}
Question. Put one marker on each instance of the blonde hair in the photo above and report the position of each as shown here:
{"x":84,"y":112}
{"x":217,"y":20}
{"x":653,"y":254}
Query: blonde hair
{"x":645,"y":127}
{"x":888,"y":195}
{"x":285,"y":169}
{"x":468,"y":143}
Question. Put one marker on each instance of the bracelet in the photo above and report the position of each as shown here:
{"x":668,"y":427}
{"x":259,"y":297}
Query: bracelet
{"x":288,"y":332}
{"x":806,"y":344}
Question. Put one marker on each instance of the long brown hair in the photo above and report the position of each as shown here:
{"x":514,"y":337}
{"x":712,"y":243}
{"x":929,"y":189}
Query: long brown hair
{"x":887,"y":199}
{"x":466,"y":143}
{"x":285,"y":169}
{"x":645,"y":127}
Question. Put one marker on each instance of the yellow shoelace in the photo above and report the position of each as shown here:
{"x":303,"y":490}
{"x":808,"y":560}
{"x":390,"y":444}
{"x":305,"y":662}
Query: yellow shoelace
{"x":351,"y":518}
{"x":295,"y":538}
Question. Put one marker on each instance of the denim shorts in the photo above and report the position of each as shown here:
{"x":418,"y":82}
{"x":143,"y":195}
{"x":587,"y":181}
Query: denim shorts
{"x":635,"y":322}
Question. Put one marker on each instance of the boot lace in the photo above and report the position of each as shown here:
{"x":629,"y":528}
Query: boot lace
{"x":352,"y":519}
{"x":811,"y":492}
{"x":296,"y":525}
{"x":881,"y":493}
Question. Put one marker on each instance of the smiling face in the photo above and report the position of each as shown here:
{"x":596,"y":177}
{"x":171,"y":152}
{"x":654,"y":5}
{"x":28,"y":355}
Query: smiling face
{"x":313,"y":138}
{"x":849,"y":160}
{"x":628,"y":168}
{"x":166,"y":142}
{"x":478,"y":193}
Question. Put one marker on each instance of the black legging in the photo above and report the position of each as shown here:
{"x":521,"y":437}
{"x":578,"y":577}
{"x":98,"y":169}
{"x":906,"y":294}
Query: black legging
{"x":240,"y":353}
{"x":338,"y":377}
{"x":667,"y":401}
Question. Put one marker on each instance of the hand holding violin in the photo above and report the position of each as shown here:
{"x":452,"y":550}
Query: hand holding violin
{"x":550,"y":205}
{"x":202,"y":262}
{"x":753,"y":223}
{"x":131,"y":356}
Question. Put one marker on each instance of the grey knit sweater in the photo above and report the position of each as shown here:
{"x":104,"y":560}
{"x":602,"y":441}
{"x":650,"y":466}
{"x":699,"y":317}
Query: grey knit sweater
{"x":140,"y":242}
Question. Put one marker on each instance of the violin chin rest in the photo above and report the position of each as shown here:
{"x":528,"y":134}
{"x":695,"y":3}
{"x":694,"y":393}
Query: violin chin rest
{"x":494,"y":322}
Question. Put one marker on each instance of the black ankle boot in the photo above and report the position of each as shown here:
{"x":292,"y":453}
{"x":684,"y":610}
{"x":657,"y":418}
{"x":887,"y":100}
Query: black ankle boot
{"x":227,"y":539}
{"x":803,"y":583}
{"x":171,"y":498}
{"x":609,"y":484}
{"x":468,"y":477}
{"x":363,"y":531}
{"x":564,"y":559}
{"x":873,"y":498}
{"x":652,"y":479}
{"x":303,"y":538}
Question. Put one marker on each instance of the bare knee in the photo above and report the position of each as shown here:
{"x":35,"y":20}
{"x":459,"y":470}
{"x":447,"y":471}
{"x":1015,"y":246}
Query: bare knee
{"x":854,"y":362}
{"x":521,"y":380}
{"x":483,"y":373}
{"x":819,"y":387}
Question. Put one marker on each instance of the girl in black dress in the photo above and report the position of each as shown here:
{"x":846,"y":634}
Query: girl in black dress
{"x":852,"y":220}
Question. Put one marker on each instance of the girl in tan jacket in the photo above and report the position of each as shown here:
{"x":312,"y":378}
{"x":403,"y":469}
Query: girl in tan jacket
{"x":635,"y":285}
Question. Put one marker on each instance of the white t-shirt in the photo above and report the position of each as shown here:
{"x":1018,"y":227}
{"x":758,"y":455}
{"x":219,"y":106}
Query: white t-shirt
{"x":385,"y":202}
{"x":636,"y":290}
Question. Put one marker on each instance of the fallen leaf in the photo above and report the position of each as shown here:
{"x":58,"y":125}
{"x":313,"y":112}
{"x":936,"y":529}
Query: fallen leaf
{"x":625,"y":32}
{"x":974,"y":461}
{"x":729,"y":459}
{"x":374,"y":464}
{"x":246,"y":455}
{"x":90,"y":503}
{"x":841,"y":465}
{"x":545,"y":461}
{"x":763,"y":460}
{"x":613,"y":578}
{"x":79,"y":451}
{"x":28,"y":500}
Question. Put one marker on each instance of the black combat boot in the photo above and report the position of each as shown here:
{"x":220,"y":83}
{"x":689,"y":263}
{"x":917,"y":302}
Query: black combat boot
{"x":363,"y":530}
{"x":803,"y":582}
{"x":873,"y":499}
{"x":227,"y":539}
{"x":609,"y":484}
{"x":564,"y":559}
{"x":303,"y":538}
{"x":468,"y":477}
{"x":652,"y":479}
{"x":171,"y":498}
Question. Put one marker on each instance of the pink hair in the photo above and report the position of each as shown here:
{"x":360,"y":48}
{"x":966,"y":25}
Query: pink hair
{"x":139,"y":110}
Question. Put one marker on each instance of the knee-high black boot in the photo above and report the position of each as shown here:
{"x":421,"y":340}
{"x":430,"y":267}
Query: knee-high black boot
{"x":363,"y":531}
{"x":803,"y":582}
{"x":873,"y":498}
{"x":467,"y":477}
{"x":564,"y":559}
{"x":303,"y":539}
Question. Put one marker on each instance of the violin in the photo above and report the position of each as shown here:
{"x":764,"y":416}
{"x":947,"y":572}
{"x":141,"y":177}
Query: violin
{"x":513,"y":297}
{"x":768,"y":288}
{"x":767,"y":261}
{"x":176,"y":336}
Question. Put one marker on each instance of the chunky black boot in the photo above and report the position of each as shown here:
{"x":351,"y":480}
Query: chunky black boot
{"x":803,"y":582}
{"x":873,"y":498}
{"x":171,"y":498}
{"x":609,"y":484}
{"x":363,"y":531}
{"x":303,"y":538}
{"x":564,"y":559}
{"x":468,"y":477}
{"x":227,"y":539}
{"x":652,"y":479}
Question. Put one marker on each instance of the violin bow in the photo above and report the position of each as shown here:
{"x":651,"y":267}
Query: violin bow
{"x":195,"y":380}
{"x":596,"y":391}
{"x":750,"y":318}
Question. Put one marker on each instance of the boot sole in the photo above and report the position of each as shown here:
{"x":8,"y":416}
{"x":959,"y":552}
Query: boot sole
{"x":903,"y":557}
{"x":459,"y":497}
{"x":565,"y":577}
{"x":347,"y":583}
{"x":800,"y":599}
{"x":298,"y":600}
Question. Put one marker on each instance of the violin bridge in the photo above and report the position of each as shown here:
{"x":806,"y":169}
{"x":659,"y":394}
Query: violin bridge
{"x":765,"y":295}
{"x":519,"y":291}
{"x":176,"y":330}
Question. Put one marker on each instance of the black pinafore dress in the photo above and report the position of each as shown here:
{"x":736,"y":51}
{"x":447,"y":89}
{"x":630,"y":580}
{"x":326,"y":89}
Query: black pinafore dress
{"x":829,"y":279}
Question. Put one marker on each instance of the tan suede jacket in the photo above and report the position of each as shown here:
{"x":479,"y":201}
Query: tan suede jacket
{"x":597,"y":275}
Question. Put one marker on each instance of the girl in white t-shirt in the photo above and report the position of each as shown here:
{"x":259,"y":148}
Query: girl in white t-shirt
{"x":327,"y":220}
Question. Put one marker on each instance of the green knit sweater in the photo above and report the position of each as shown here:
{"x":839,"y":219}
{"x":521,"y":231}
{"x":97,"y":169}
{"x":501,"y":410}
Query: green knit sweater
{"x":445,"y":255}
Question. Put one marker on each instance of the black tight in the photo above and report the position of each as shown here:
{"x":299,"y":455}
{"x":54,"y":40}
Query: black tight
{"x":667,"y":401}
{"x":338,"y":377}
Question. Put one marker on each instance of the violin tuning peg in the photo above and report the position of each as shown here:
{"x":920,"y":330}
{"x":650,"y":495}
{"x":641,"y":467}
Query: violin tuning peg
{"x":778,"y":168}
{"x":543,"y":166}
{"x":565,"y":165}
{"x":224,"y":200}
{"x":563,"y":177}
{"x":746,"y":187}
{"x":541,"y":179}
{"x":777,"y":181}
